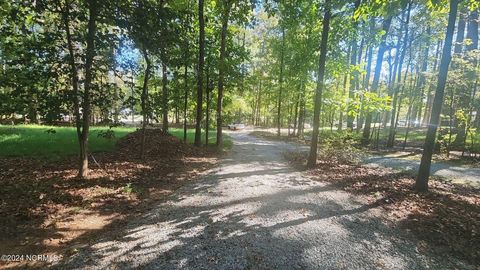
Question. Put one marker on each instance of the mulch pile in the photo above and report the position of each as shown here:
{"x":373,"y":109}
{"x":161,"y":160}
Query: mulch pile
{"x":158,"y":145}
{"x":445,"y":220}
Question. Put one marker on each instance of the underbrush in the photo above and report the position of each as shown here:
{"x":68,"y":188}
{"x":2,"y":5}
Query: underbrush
{"x":333,"y":149}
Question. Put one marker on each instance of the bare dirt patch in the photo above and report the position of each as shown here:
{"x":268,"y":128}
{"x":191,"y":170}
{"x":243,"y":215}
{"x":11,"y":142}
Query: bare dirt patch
{"x":46,"y":209}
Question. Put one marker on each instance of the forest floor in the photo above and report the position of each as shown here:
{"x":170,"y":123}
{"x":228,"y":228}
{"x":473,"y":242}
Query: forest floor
{"x":256,"y":210}
{"x":46,"y":209}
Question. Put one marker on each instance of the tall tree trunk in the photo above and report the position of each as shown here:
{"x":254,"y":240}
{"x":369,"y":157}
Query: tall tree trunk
{"x":144,"y":100}
{"x":259,"y":102}
{"x":164,"y":96}
{"x":279,"y":106}
{"x":472,"y":30}
{"x":301,"y":118}
{"x":376,"y":77}
{"x":421,"y":184}
{"x":90,"y":54}
{"x":428,"y":105}
{"x":394,"y":118}
{"x":312,"y":157}
{"x":366,"y":85}
{"x":221,"y":70}
{"x":422,"y":79}
{"x":201,"y":56}
{"x":295,"y":117}
{"x":458,"y":48}
{"x":353,"y":75}
{"x":472,"y":36}
{"x":185,"y":101}
{"x":207,"y":101}
{"x":73,"y":74}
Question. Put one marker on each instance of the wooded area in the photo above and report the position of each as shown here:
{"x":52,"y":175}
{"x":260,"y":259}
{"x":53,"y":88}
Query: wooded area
{"x":347,"y":76}
{"x":365,"y":67}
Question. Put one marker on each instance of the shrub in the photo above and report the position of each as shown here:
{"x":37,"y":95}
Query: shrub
{"x":107,"y":134}
{"x":339,"y":149}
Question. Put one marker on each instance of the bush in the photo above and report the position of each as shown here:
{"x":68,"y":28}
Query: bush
{"x":51,"y":131}
{"x":107,"y":134}
{"x":331,"y":149}
{"x":339,"y":149}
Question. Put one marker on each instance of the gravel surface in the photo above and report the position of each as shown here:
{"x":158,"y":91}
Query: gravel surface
{"x":455,"y":173}
{"x":255,"y":212}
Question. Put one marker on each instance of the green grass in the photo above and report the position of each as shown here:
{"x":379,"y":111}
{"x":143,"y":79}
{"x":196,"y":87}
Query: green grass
{"x":34,"y":141}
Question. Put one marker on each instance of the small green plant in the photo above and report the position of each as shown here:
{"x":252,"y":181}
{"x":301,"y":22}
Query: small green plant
{"x":129,"y":188}
{"x":108,"y":134}
{"x":51,"y":131}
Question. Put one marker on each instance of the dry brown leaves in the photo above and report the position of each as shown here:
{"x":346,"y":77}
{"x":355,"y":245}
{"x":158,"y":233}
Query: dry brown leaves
{"x":446,"y":219}
{"x":40,"y":198}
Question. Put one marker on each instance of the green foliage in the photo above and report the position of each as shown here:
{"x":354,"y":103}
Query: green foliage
{"x":108,"y":134}
{"x":339,"y":148}
{"x":130,"y":188}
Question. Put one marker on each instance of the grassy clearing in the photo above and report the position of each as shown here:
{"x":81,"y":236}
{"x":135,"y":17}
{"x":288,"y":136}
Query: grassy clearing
{"x":35,"y":141}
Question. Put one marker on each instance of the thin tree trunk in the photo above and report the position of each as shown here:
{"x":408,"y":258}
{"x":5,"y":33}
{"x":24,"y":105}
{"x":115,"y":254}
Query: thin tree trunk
{"x":421,"y":184}
{"x":353,"y":76}
{"x":73,"y":73}
{"x":312,"y":157}
{"x":301,"y":117}
{"x":225,"y":17}
{"x":295,"y":123}
{"x":207,"y":110}
{"x":472,"y":36}
{"x":201,"y":56}
{"x":376,"y":77}
{"x":279,"y":106}
{"x":422,"y":79}
{"x":428,"y":105}
{"x":90,"y":54}
{"x":185,"y":101}
{"x":144,"y":101}
{"x":165,"y":97}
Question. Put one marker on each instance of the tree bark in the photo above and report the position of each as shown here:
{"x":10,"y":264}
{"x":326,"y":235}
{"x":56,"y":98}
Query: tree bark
{"x":90,"y":54}
{"x":421,"y":184}
{"x":279,"y":106}
{"x":428,"y":105}
{"x":376,"y":77}
{"x":73,"y":72}
{"x":472,"y":36}
{"x":185,"y":100}
{"x":201,"y":56}
{"x":164,"y":96}
{"x":312,"y":157}
{"x":144,"y":100}
{"x":353,"y":76}
{"x":221,"y":70}
{"x":207,"y":101}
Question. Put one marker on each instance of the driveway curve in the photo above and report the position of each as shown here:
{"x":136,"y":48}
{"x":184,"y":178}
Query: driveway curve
{"x":253,"y":211}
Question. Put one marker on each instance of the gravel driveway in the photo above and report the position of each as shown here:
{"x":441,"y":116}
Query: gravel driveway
{"x":455,"y":173}
{"x":255,"y":212}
